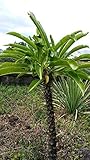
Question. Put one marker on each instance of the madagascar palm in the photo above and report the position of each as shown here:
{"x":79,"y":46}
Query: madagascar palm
{"x":46,"y":60}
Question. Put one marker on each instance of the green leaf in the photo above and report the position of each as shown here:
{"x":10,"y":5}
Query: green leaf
{"x":65,"y":39}
{"x":83,"y":57}
{"x":14,"y":52}
{"x":59,"y":62}
{"x":64,"y":63}
{"x":39,"y":70}
{"x":21,"y":74}
{"x":34,"y":84}
{"x":65,"y":48}
{"x":70,"y":42}
{"x":25,"y":48}
{"x":84,"y":65}
{"x":76,"y":49}
{"x":40,"y":29}
{"x":57,"y":69}
{"x":7,"y":55}
{"x":80,"y":35}
{"x":11,"y":70}
{"x":61,"y":42}
{"x":28,"y":41}
{"x":83,"y":75}
{"x":12,"y":64}
{"x":77,"y":79}
{"x":61,"y":48}
{"x":73,"y":64}
{"x":76,"y":32}
{"x":52,"y":40}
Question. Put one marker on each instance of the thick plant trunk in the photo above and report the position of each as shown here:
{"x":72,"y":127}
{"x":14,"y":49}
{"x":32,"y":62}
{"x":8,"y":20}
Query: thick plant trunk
{"x":52,"y":152}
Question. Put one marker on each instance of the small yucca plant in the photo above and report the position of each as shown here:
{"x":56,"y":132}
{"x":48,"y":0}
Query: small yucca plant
{"x":67,"y":94}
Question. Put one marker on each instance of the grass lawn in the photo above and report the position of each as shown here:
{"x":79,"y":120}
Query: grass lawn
{"x":23,"y":127}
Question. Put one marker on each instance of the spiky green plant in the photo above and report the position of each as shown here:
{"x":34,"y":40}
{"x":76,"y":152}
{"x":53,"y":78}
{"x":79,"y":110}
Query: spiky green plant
{"x":68,"y":95}
{"x":46,"y":60}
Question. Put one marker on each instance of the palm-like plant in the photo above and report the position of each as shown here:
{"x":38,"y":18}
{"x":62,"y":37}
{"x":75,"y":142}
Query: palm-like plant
{"x":46,"y":60}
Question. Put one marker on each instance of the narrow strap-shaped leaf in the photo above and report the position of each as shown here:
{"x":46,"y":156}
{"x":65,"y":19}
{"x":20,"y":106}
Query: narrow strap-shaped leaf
{"x":77,"y":79}
{"x":76,"y":32}
{"x":27,"y":40}
{"x":76,"y":49}
{"x":83,"y":57}
{"x":21,"y":74}
{"x":83,"y":75}
{"x":66,"y":38}
{"x":65,"y":48}
{"x":70,"y":42}
{"x":8,"y":55}
{"x":73,"y":64}
{"x":61,"y":42}
{"x":21,"y":48}
{"x":76,"y":114}
{"x":11,"y":70}
{"x":61,"y":49}
{"x":39,"y":70}
{"x":84,"y":65}
{"x":52,"y":40}
{"x":34,"y":84}
{"x":80,"y":35}
{"x":25,"y":48}
{"x":13,"y":64}
{"x":86,"y":97}
{"x":57,"y":69}
{"x":63,"y":62}
{"x":14,"y":52}
{"x":40,"y":28}
{"x":20,"y":52}
{"x":59,"y":62}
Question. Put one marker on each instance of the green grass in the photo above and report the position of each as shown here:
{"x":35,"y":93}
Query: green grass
{"x":13,"y":96}
{"x":31,"y":144}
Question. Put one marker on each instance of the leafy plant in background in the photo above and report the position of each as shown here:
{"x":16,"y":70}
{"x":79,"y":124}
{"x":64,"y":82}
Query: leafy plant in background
{"x":68,"y":95}
{"x":46,"y":60}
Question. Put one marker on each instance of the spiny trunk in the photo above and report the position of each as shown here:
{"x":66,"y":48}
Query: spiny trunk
{"x":52,"y":153}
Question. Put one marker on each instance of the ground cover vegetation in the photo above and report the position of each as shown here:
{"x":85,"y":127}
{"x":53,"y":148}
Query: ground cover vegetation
{"x":23,"y":127}
{"x":47,"y":60}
